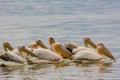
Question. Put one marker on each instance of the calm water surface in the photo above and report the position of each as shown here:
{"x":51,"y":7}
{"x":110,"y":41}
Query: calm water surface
{"x":22,"y":21}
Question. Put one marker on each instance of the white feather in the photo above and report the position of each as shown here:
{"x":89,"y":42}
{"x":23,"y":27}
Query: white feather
{"x":86,"y":53}
{"x":75,"y":50}
{"x":46,"y":54}
{"x":15,"y":57}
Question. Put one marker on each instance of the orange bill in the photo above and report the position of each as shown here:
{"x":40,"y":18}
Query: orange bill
{"x":40,"y":43}
{"x":62,"y":50}
{"x":6,"y":45}
{"x":24,"y":49}
{"x":87,"y":41}
{"x":105,"y":52}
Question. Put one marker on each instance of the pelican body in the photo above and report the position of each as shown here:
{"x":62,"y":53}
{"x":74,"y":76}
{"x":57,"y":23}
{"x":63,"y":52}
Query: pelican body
{"x":82,"y":54}
{"x":10,"y":59}
{"x":47,"y":54}
{"x":54,"y":47}
{"x":14,"y":57}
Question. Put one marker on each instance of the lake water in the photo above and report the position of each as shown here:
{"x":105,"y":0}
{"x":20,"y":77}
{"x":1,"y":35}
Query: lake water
{"x":22,"y":21}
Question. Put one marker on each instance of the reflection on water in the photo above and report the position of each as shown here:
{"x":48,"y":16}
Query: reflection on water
{"x":61,"y":71}
{"x":21,"y":21}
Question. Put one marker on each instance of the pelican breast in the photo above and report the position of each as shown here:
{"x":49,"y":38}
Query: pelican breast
{"x":46,"y":54}
{"x":75,"y":50}
{"x":83,"y":53}
{"x":9,"y":56}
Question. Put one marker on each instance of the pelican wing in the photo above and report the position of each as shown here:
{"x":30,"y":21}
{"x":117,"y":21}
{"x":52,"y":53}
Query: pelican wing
{"x":9,"y":56}
{"x":46,"y":54}
{"x":87,"y":55}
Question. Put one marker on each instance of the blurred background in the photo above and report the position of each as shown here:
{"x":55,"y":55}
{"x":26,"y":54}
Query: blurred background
{"x":22,"y":21}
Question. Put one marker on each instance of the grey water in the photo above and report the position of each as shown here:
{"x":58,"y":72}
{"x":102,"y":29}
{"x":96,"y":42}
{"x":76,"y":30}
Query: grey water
{"x":22,"y":21}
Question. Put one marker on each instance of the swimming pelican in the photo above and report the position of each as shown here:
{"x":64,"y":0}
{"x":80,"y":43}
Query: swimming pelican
{"x":87,"y":41}
{"x":8,"y":59}
{"x":85,"y":54}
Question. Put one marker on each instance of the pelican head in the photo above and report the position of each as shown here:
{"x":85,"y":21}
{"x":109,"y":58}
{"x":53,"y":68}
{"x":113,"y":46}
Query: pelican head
{"x":32,"y":46}
{"x":62,"y":50}
{"x":51,"y":40}
{"x":40,"y":43}
{"x":87,"y":41}
{"x":22,"y":48}
{"x":7,"y":45}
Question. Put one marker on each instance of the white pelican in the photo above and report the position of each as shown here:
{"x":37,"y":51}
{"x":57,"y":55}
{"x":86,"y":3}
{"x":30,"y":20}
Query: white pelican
{"x":84,"y":54}
{"x":8,"y":59}
{"x":87,"y":41}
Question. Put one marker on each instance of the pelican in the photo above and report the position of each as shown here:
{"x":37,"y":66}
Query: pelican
{"x":85,"y":54}
{"x":87,"y":41}
{"x":8,"y":59}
